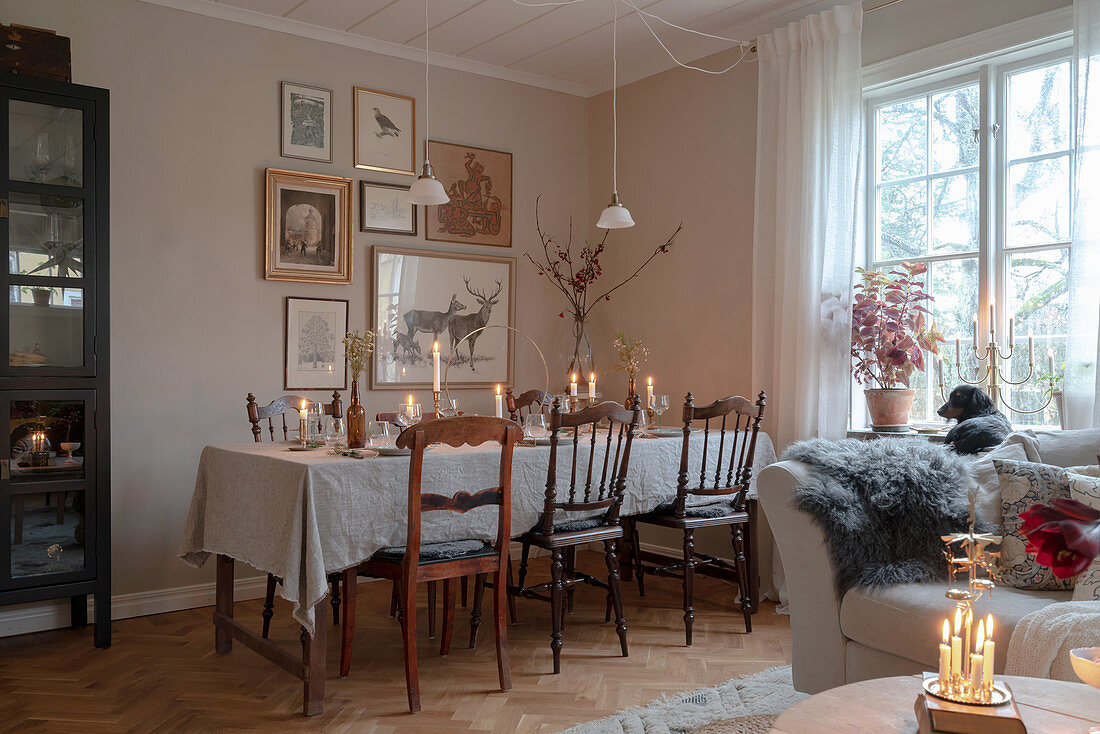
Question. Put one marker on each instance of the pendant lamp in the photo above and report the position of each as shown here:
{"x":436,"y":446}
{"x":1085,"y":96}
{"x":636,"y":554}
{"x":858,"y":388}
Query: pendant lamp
{"x":615,"y":216}
{"x":427,"y":191}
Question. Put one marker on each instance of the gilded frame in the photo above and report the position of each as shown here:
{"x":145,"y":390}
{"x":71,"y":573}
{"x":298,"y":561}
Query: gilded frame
{"x":341,"y":271}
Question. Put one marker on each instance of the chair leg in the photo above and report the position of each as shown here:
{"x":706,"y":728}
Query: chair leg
{"x":524,"y":556}
{"x":511,"y":597}
{"x":627,"y":552}
{"x":615,"y":592}
{"x":269,"y":605}
{"x":347,"y":629}
{"x":394,"y":600}
{"x":475,"y":610}
{"x":557,"y":599}
{"x":335,"y":598}
{"x":465,"y":590}
{"x":408,"y":635}
{"x":431,"y":609}
{"x":742,"y":574}
{"x":570,"y":569}
{"x":448,"y":616}
{"x":635,"y":559}
{"x":500,"y":630}
{"x":689,"y":583}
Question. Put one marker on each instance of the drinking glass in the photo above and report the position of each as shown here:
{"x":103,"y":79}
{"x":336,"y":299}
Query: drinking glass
{"x":69,"y":448}
{"x":334,"y":430}
{"x":315,"y":425}
{"x":660,"y":405}
{"x":412,"y":412}
{"x":378,"y":434}
{"x":449,"y":410}
{"x":40,"y":157}
{"x":534,"y":426}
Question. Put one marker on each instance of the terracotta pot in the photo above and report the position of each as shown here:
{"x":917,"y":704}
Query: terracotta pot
{"x":889,"y":408}
{"x":41,"y":296}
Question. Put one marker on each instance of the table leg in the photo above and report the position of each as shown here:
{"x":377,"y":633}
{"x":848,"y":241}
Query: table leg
{"x":223,"y":596}
{"x":314,"y":655}
{"x":78,"y":611}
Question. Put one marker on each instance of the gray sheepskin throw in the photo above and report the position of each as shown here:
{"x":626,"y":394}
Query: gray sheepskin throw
{"x":883,"y":506}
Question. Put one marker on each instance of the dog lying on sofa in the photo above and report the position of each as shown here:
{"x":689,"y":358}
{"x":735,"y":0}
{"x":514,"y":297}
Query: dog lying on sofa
{"x":979,"y":424}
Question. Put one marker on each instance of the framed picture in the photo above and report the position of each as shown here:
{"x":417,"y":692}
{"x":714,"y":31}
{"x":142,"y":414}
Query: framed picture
{"x":314,"y":345}
{"x":479,"y":182}
{"x":308,"y":227}
{"x":421,"y":296}
{"x":385,"y":131}
{"x":383,"y":209}
{"x":306,"y":122}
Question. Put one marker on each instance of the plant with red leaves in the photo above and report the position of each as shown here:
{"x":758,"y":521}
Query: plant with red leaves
{"x":890,"y":331}
{"x":1064,"y":536}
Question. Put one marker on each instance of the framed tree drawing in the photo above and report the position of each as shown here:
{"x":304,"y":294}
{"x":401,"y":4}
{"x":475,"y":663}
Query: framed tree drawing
{"x":306,"y":127}
{"x":308,"y":231}
{"x":384,"y":131}
{"x":313,"y":349}
{"x":421,"y":296}
{"x":479,"y":182}
{"x":383,"y":209}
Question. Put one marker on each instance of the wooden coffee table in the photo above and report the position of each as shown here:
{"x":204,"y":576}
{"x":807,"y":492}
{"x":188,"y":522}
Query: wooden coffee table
{"x":885,"y":706}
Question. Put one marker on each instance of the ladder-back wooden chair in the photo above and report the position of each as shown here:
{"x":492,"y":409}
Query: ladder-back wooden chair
{"x":723,"y":476}
{"x":416,"y":562}
{"x":528,"y":402}
{"x":278,"y":408}
{"x":595,"y":488}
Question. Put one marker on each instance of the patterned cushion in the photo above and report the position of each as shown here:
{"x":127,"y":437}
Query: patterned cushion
{"x":1024,"y":484}
{"x":587,"y":523}
{"x":1087,"y":490}
{"x":438,"y":551}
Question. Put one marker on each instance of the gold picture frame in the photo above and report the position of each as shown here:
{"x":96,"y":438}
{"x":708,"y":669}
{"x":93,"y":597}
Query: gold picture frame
{"x":308,"y":237}
{"x":380,"y":119}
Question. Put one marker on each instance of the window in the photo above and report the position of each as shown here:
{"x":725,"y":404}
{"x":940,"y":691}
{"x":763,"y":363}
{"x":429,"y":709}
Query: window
{"x":972,"y":176}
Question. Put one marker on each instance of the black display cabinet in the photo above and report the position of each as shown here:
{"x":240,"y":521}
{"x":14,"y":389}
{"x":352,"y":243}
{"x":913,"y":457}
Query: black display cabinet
{"x":55,"y":449}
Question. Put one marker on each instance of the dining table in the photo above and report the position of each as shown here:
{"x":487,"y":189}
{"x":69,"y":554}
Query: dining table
{"x":302,"y":515}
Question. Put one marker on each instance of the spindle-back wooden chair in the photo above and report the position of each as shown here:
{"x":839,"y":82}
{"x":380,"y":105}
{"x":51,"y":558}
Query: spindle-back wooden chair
{"x":417,"y":562}
{"x":723,"y":477}
{"x":278,"y":408}
{"x":595,"y":485}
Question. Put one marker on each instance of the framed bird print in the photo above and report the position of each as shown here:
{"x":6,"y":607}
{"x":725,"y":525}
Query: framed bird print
{"x":307,"y":122}
{"x":479,"y":182}
{"x":385,"y":131}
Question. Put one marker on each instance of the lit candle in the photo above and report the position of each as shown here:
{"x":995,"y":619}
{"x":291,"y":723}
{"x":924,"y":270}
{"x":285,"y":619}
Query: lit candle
{"x":956,"y":648}
{"x":989,"y":654}
{"x":409,"y":402}
{"x":945,"y":655}
{"x":303,"y":423}
{"x":592,"y":386}
{"x":435,"y":366}
{"x":500,"y":402}
{"x":1050,"y":361}
{"x":573,"y":385}
{"x":976,"y":660}
{"x":649,"y":393}
{"x":303,"y":410}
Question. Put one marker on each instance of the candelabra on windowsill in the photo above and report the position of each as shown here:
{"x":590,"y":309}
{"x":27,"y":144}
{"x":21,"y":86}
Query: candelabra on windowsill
{"x":991,"y":357}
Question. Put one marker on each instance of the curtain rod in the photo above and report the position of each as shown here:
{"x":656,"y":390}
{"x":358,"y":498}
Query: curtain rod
{"x":871,"y":9}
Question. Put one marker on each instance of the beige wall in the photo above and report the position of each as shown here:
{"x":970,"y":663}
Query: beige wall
{"x":195,"y":120}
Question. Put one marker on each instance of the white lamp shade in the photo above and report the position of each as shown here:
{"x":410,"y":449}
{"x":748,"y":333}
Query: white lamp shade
{"x":615,"y":216}
{"x":427,"y":192}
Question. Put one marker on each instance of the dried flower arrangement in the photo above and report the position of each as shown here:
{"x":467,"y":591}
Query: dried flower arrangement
{"x":358,"y":348}
{"x":632,"y":354}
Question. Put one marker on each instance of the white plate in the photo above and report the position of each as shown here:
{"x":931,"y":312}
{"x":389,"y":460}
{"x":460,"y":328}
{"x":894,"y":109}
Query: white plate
{"x":665,"y":432}
{"x":391,"y":451}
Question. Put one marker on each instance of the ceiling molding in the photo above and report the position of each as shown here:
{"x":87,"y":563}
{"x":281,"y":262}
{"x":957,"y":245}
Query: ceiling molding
{"x":373,"y":45}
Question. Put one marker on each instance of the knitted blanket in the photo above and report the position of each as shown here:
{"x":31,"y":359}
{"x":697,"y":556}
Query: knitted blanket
{"x":1041,"y":641}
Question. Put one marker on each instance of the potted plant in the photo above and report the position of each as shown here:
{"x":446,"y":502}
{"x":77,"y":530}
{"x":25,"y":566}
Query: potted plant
{"x":890,"y":334}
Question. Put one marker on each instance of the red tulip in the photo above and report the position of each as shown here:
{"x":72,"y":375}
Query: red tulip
{"x":1064,"y":536}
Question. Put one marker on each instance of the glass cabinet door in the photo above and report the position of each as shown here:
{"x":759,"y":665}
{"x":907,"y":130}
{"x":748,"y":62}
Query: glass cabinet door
{"x":50,"y":210}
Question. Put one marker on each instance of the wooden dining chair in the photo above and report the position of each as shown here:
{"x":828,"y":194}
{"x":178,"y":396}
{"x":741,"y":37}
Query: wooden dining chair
{"x":416,"y":561}
{"x":736,"y":421}
{"x":528,"y":402}
{"x":597,"y":487}
{"x":279,"y":408}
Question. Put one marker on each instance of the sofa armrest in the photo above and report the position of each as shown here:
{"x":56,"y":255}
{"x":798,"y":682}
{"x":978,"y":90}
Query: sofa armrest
{"x":819,"y":645}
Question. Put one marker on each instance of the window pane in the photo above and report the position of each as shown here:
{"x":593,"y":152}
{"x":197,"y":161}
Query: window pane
{"x":902,"y":218}
{"x":1039,"y":303}
{"x":954,"y":285}
{"x":46,"y":326}
{"x":1039,"y":110}
{"x":45,"y":143}
{"x":954,"y":120}
{"x":47,"y":533}
{"x":45,"y":236}
{"x":1038,"y":202}
{"x":902,"y":138}
{"x":955,"y":213}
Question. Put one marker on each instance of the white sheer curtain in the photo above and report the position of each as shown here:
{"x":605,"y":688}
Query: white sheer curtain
{"x":1083,"y":352}
{"x":808,"y":203}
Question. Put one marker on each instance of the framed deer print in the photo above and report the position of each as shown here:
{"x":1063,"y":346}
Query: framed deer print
{"x":420,"y":296}
{"x":479,"y":182}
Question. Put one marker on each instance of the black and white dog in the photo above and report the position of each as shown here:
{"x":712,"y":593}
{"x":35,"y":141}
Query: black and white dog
{"x":980,"y":425}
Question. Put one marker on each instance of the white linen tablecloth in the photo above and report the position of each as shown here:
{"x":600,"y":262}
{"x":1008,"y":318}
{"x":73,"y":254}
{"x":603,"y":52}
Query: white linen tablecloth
{"x":302,"y":515}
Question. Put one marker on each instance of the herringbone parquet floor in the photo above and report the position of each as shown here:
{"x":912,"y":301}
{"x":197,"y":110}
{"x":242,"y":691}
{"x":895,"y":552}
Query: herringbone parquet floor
{"x":162,"y":674}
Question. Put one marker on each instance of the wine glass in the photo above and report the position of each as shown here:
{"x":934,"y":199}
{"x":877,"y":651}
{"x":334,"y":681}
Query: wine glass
{"x":412,"y":412}
{"x":316,"y":424}
{"x":334,"y":430}
{"x":660,"y":405}
{"x":534,"y":426}
{"x":69,"y":447}
{"x":378,"y":434}
{"x":40,"y":157}
{"x":449,"y":410}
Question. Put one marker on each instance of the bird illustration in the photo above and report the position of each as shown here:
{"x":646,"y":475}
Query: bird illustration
{"x":386,"y":125}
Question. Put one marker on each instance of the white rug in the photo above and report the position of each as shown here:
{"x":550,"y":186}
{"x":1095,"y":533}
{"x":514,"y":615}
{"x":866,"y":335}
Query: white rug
{"x":768,"y":692}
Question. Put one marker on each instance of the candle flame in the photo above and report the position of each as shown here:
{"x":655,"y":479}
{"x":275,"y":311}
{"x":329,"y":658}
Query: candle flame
{"x":958,"y":621}
{"x":946,"y":631}
{"x":989,"y":627}
{"x":650,"y":382}
{"x":435,"y":346}
{"x":498,"y":389}
{"x":979,"y":641}
{"x":410,"y":400}
{"x":592,"y":377}
{"x":574,"y":377}
{"x":303,"y":405}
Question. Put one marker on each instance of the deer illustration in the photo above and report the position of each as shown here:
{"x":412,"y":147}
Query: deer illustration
{"x":463,"y":326}
{"x":433,"y":322}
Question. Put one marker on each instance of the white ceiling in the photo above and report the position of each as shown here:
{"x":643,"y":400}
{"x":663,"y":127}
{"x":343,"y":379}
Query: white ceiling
{"x":564,"y":47}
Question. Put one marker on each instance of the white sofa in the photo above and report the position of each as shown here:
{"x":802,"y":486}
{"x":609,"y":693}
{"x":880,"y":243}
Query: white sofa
{"x":892,"y":631}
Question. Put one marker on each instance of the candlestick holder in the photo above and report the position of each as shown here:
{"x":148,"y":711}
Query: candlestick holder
{"x":989,"y":364}
{"x":303,"y":431}
{"x":435,"y":398}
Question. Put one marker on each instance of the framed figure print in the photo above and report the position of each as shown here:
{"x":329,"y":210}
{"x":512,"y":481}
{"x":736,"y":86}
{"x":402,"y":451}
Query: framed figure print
{"x":308,"y":227}
{"x":306,"y":122}
{"x":313,"y":348}
{"x":383,"y":209}
{"x":385,"y":131}
{"x":479,"y":182}
{"x":420,"y":296}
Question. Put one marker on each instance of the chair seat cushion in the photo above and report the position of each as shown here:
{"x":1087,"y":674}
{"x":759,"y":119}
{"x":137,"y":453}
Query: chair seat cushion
{"x":587,"y":523}
{"x":434,"y":552}
{"x":874,"y":616}
{"x":714,"y":509}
